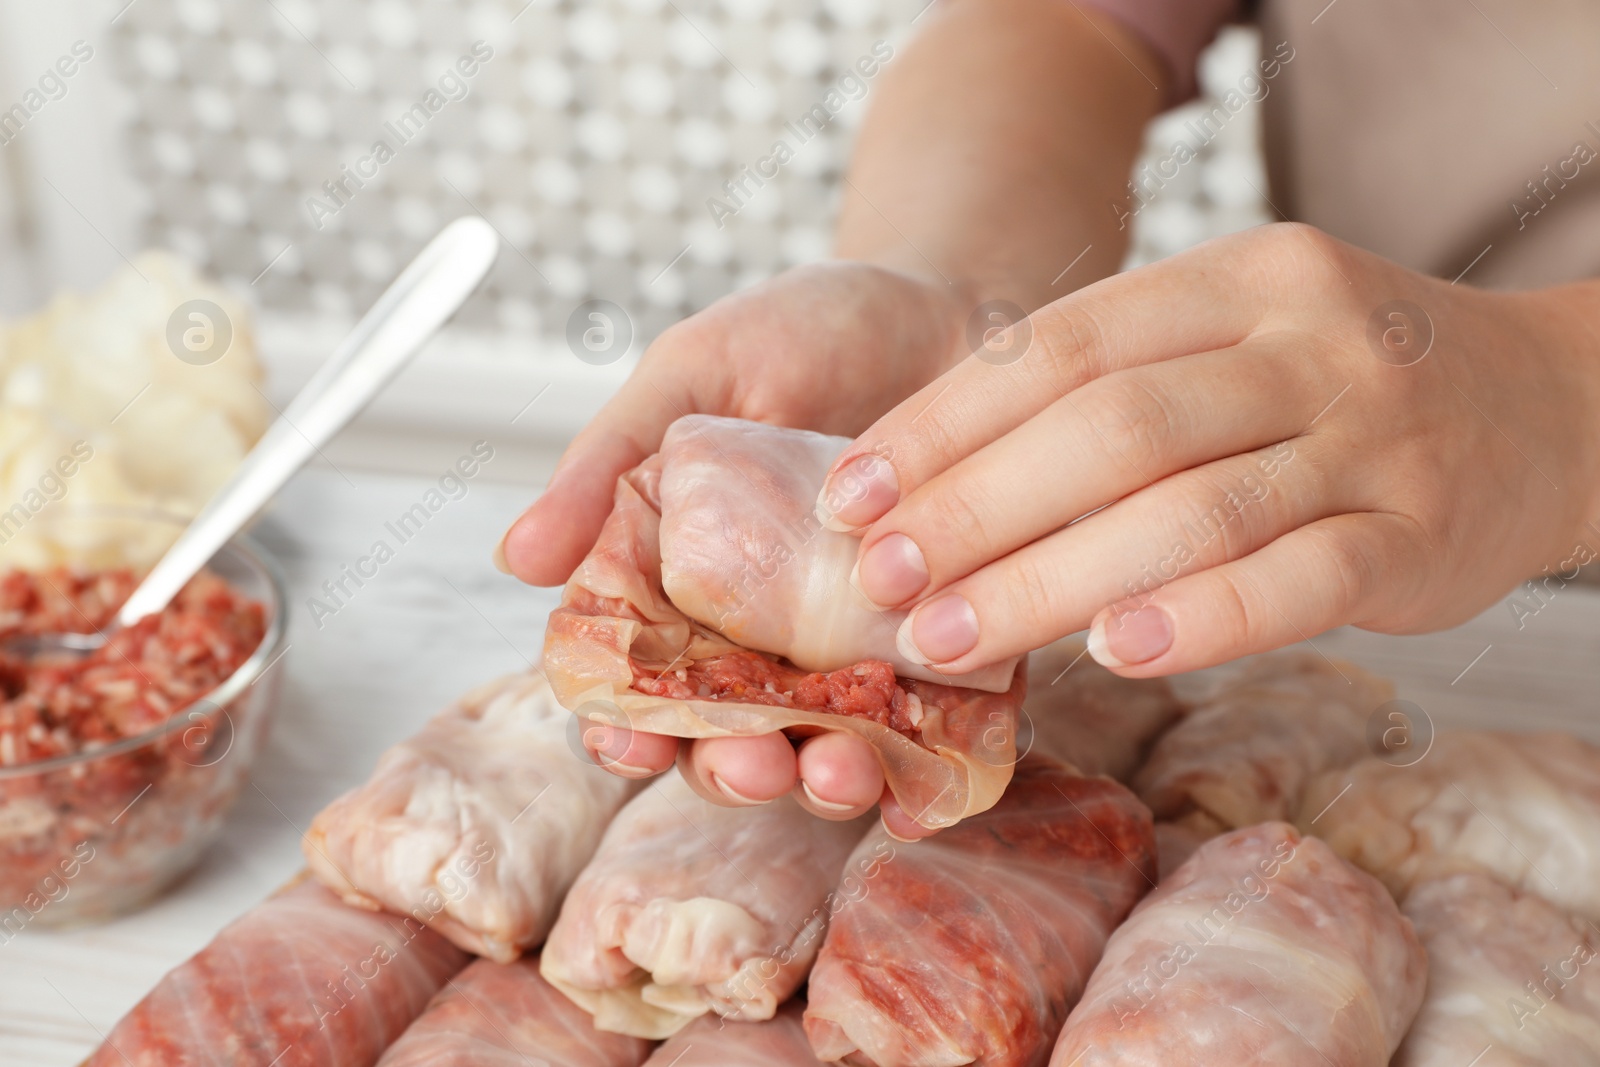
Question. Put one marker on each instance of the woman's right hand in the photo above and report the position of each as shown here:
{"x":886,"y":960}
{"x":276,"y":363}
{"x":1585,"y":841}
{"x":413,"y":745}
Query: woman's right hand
{"x":829,"y":347}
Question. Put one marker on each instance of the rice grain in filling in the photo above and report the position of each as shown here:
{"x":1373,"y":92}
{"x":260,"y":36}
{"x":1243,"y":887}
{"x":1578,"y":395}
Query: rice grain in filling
{"x":866,"y":690}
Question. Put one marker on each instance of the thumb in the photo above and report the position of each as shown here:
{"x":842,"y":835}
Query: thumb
{"x":548,"y":540}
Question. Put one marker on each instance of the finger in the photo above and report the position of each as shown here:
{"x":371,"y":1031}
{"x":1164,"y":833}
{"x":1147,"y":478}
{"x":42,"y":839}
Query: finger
{"x":548,"y":540}
{"x":1337,"y":571}
{"x":1192,"y":520}
{"x":899,"y":825}
{"x":629,"y":753}
{"x":840,"y":777}
{"x":740,"y":771}
{"x":1114,"y":436}
{"x":1187,"y":303}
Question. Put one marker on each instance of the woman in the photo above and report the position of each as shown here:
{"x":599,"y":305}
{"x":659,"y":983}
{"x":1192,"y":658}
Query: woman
{"x":1290,"y":429}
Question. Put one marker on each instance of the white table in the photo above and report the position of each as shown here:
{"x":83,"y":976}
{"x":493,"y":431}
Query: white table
{"x":439,"y":618}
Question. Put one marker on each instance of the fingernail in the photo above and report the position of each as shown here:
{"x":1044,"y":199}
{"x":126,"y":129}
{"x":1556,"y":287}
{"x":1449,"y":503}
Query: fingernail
{"x":858,"y":493}
{"x":944,"y":629}
{"x":1130,"y":637}
{"x":892,"y":571}
{"x":623,"y":770}
{"x":499,"y":556}
{"x":819,"y":803}
{"x":732,"y":794}
{"x":889,"y":830}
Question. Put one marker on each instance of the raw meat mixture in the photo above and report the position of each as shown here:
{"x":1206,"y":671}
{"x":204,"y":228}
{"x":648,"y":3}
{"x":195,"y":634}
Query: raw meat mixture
{"x":139,"y":679}
{"x":867,"y":690}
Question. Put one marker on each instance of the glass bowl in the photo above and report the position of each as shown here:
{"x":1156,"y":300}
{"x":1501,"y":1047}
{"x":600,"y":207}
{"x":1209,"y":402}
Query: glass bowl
{"x":90,"y":835}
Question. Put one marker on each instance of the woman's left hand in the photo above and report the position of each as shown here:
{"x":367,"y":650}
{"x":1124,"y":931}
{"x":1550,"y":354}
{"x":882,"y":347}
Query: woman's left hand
{"x":1231,"y":450}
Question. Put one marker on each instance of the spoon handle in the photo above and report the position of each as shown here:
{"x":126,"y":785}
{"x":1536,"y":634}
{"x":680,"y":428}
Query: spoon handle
{"x":418,"y":302}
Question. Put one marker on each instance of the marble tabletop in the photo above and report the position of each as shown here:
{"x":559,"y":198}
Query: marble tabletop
{"x":439,"y":618}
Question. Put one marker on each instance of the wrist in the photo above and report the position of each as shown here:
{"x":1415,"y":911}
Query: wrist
{"x":952,"y":301}
{"x":1570,"y":315}
{"x":942,"y":286}
{"x":968,"y":307}
{"x":973,"y":286}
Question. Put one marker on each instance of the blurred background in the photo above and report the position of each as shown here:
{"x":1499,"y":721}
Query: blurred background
{"x":591,"y":135}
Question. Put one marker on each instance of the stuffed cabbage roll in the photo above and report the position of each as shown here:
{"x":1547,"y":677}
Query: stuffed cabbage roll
{"x":707,"y":1042}
{"x":712,"y":575}
{"x":743,"y":551}
{"x":506,"y":1015}
{"x":971,"y":946}
{"x":1246,"y":753}
{"x":477,"y":826}
{"x":300,"y":980}
{"x":1512,"y":980}
{"x":1522,"y":807}
{"x":1081,"y":713}
{"x":690,"y":907}
{"x":1264,"y":948}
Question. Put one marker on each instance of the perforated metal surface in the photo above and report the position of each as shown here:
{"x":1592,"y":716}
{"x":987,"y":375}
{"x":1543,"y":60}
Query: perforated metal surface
{"x":592,"y":136}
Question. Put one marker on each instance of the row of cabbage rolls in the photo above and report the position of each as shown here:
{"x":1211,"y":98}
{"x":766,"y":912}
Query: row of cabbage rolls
{"x":1140,"y":895}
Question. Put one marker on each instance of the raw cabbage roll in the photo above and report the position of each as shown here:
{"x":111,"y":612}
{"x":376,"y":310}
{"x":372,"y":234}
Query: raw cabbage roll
{"x":300,"y":980}
{"x":707,"y":1042}
{"x":1081,"y":713}
{"x":1264,"y":948}
{"x":690,"y":907}
{"x":1522,"y":807}
{"x":743,"y":552}
{"x":712,"y":574}
{"x":505,"y":1015}
{"x":1513,"y":981}
{"x":1246,"y":753}
{"x":477,"y":826}
{"x":971,"y":946}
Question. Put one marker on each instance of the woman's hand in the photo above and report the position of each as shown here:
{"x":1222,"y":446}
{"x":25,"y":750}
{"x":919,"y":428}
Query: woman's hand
{"x":1232,"y":450}
{"x":937,"y":187}
{"x":829,"y":347}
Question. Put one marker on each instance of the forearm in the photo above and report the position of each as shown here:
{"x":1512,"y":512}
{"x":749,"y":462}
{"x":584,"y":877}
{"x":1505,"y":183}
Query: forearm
{"x":997,"y":142}
{"x":1573,"y":311}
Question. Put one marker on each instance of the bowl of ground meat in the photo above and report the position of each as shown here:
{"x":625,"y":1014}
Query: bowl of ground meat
{"x":118,"y":766}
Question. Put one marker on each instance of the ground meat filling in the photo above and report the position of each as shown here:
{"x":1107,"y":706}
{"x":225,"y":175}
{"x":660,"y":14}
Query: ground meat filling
{"x":142,"y":677}
{"x":866,"y":690}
